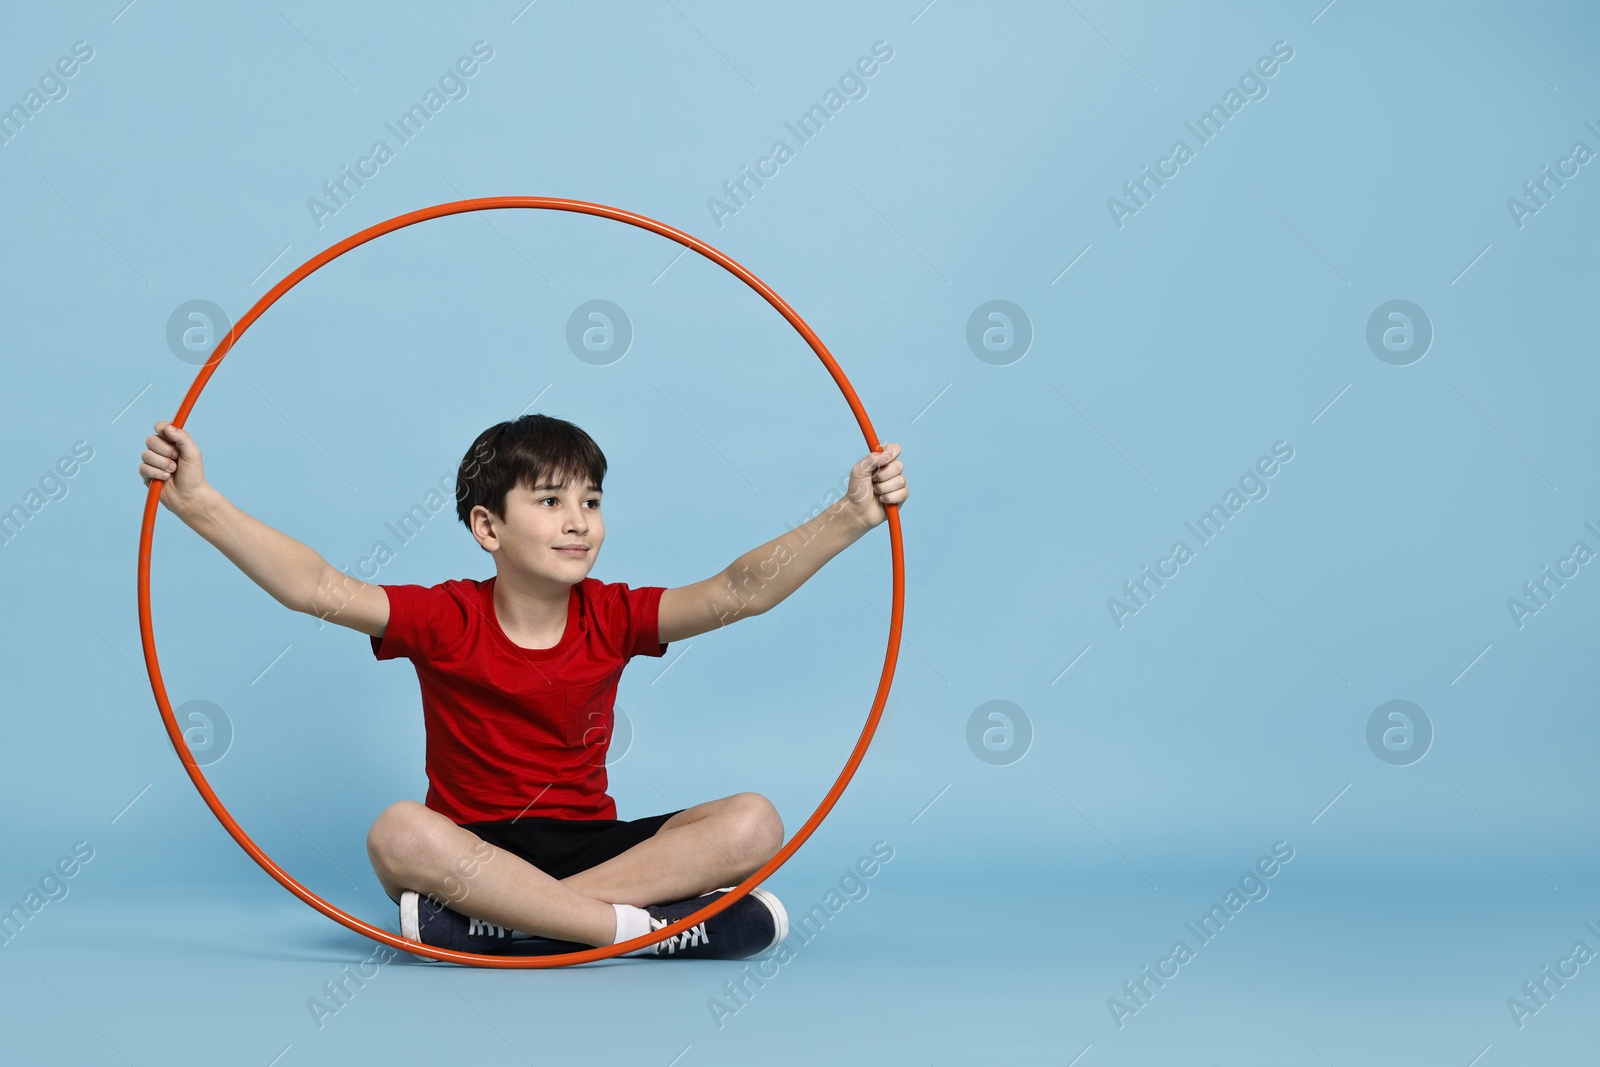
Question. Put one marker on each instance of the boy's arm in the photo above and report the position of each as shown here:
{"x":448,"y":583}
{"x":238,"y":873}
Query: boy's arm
{"x":763,"y":577}
{"x":294,"y":574}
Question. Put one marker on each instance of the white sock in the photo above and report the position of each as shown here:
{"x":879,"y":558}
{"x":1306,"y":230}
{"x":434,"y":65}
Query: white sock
{"x":631,"y":922}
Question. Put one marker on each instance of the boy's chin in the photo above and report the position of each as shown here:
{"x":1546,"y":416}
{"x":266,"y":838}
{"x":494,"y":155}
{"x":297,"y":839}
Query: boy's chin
{"x":571,"y":574}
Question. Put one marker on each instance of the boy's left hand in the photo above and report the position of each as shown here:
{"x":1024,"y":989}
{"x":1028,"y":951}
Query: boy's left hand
{"x":878,"y":479}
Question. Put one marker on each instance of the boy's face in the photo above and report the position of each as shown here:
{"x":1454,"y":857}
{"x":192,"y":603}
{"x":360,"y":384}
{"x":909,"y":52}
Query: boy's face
{"x":551,"y":530}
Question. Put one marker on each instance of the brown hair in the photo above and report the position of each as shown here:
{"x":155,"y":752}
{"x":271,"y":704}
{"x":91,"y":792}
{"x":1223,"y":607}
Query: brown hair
{"x":527,"y":451}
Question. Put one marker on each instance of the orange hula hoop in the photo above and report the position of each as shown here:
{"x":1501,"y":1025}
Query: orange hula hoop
{"x":158,"y":684}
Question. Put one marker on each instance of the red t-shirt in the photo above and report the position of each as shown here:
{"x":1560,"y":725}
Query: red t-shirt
{"x":515,"y":731}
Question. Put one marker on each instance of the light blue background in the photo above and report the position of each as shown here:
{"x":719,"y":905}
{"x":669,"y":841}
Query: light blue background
{"x":1228,"y":314}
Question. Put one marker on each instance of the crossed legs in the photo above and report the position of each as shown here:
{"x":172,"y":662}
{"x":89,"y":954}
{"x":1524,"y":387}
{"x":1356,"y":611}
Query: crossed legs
{"x":699,"y":849}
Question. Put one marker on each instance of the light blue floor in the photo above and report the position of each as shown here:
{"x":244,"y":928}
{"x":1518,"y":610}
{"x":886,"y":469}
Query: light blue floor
{"x":1360,"y":952}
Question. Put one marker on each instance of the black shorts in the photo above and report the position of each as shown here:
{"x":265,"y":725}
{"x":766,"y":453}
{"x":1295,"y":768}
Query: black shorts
{"x":562,"y":847}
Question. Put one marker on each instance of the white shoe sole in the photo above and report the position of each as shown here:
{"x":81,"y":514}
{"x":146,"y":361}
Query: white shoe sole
{"x":410,"y":922}
{"x":780,"y":916}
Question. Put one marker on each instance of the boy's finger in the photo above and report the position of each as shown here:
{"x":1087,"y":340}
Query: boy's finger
{"x":181,"y":439}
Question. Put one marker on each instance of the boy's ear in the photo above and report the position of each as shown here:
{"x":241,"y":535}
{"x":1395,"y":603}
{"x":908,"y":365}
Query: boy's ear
{"x":482,"y":525}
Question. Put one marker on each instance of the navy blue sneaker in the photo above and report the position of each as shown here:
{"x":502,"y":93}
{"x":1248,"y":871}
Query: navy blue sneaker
{"x":752,"y":926}
{"x":430,"y":922}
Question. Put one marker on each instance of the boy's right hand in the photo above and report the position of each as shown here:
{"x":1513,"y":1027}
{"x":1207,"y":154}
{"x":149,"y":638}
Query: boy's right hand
{"x":171,"y":456}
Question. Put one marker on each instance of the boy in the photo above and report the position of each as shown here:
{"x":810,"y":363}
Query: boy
{"x":517,"y":837}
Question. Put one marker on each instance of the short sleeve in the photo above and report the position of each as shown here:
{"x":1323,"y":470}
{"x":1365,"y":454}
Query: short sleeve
{"x":425,"y":623}
{"x":632,"y":618}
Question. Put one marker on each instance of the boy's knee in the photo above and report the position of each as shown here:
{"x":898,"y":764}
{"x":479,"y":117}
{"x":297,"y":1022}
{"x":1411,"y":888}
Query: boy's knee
{"x":760,"y":827}
{"x":398,"y":832}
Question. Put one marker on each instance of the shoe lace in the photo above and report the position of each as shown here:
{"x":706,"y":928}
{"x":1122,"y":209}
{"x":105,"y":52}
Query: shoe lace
{"x":479,"y":926}
{"x":695,"y":935}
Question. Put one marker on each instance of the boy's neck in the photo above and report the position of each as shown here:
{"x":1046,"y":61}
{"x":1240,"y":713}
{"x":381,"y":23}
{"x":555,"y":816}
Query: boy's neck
{"x":531,"y":615}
